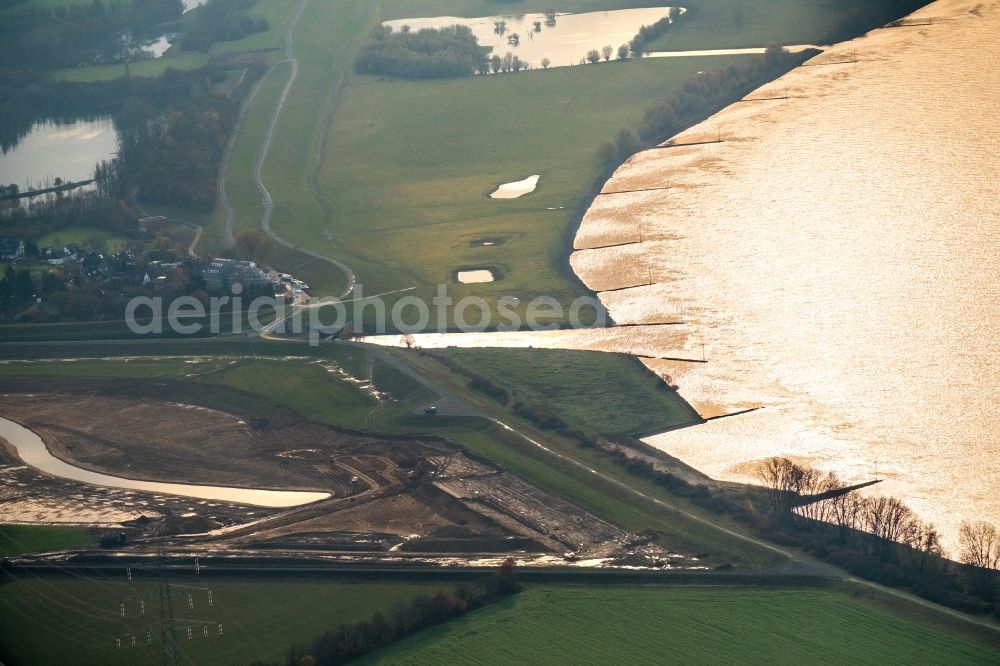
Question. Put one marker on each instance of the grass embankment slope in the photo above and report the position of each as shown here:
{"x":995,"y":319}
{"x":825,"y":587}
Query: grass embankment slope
{"x":76,"y":618}
{"x":649,"y":625}
{"x":326,"y":36}
{"x":604,"y":393}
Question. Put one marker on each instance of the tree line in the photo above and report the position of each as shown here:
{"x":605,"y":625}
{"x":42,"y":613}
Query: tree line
{"x":423,"y":54}
{"x":35,"y":37}
{"x":879,"y":538}
{"x":696,"y":97}
{"x":351,"y":641}
{"x":648,"y":33}
{"x":220,"y":21}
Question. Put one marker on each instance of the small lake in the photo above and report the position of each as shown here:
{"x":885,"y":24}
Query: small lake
{"x":475,"y":276}
{"x":31,"y":449}
{"x":68,"y":151}
{"x":191,"y":4}
{"x":564,"y":43}
{"x":158,"y":46}
{"x":516,"y":189}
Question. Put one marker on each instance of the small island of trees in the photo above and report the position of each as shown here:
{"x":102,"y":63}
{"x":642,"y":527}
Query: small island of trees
{"x":424,"y":54}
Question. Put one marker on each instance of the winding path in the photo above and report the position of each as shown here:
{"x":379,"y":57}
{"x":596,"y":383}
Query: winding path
{"x":265,"y":221}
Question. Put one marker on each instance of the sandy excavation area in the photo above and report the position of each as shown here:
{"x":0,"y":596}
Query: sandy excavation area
{"x":390,"y":497}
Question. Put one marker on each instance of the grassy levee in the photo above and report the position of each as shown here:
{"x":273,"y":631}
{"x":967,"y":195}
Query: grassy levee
{"x":21,"y":539}
{"x":75,"y":618}
{"x":326,"y":38}
{"x":611,"y":394}
{"x":566,"y":468}
{"x":323,"y":38}
{"x":647,"y":625}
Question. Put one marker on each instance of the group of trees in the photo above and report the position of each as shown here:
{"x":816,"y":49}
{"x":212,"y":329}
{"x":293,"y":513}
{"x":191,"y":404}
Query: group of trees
{"x":423,"y":54}
{"x":980,"y":551}
{"x":648,"y":33}
{"x":220,"y":21}
{"x":175,"y":158}
{"x":37,"y":37}
{"x":351,"y":641}
{"x":887,"y":519}
{"x":697,"y":96}
{"x":878,"y":537}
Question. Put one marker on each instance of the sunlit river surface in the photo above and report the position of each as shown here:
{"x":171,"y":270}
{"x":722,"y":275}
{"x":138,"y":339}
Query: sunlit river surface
{"x":838,"y":256}
{"x":835,"y":259}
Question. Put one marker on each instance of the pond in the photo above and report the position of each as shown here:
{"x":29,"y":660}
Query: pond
{"x":191,"y":4}
{"x":158,"y":46}
{"x":516,"y":189}
{"x":563,"y":42}
{"x":68,"y":151}
{"x":31,"y":449}
{"x":475,"y":276}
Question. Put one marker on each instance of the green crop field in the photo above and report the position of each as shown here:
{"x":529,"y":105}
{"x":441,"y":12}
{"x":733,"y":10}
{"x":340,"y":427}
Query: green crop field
{"x":604,"y":393}
{"x":77,"y":618}
{"x":21,"y":539}
{"x":649,"y":625}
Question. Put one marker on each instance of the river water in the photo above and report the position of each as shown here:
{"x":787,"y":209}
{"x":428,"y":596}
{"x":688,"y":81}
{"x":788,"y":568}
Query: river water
{"x":835,"y":259}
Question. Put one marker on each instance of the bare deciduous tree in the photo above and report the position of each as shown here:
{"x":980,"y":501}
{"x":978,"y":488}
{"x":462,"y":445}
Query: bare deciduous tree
{"x":979,"y":545}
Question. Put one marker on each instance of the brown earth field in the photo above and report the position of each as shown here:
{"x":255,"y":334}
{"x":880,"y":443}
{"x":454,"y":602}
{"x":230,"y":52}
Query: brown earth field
{"x":391,"y":497}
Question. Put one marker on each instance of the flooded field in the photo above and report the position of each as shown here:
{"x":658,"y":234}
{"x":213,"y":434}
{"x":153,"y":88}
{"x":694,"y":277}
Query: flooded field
{"x":52,"y":150}
{"x":834,"y":258}
{"x":563,"y":41}
{"x":158,"y":46}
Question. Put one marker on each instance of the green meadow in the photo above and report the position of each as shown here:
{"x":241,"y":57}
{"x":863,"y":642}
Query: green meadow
{"x":21,"y":539}
{"x":76,"y":618}
{"x":677,"y":625}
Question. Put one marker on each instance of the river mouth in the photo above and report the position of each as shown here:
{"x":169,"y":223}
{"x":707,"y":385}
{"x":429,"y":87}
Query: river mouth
{"x":562,"y":39}
{"x":32,"y":451}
